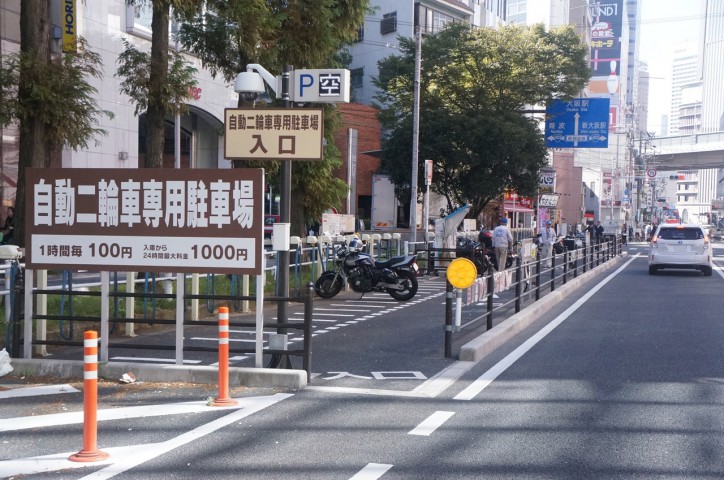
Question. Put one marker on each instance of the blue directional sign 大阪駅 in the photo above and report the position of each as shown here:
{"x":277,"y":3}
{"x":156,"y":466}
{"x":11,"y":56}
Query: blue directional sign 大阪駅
{"x":577,"y":123}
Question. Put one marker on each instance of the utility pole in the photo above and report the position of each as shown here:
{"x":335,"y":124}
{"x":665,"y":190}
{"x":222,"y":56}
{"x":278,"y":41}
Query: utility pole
{"x":415,"y":135}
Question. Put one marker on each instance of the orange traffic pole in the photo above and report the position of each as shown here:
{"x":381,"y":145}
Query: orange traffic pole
{"x":90,"y":452}
{"x":223,"y":400}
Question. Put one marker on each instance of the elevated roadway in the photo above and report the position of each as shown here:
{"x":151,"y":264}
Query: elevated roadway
{"x":681,"y":152}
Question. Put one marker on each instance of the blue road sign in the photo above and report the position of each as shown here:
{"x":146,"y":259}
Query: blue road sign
{"x":577,"y":123}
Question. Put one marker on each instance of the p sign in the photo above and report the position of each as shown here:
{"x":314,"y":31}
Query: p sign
{"x":329,"y":85}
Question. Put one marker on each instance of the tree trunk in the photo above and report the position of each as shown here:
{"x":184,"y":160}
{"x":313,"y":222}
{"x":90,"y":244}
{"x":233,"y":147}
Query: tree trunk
{"x":156,"y":113}
{"x":34,"y":150}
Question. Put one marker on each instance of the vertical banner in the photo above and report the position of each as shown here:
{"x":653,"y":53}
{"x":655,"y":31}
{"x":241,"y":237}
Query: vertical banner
{"x":69,"y":17}
{"x":605,"y":60}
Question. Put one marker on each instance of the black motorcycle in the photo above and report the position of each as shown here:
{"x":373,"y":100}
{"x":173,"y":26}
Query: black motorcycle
{"x":396,"y":276}
{"x":477,"y":252}
{"x":482,"y":254}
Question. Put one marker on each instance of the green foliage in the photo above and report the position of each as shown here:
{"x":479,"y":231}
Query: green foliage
{"x":134,"y":68}
{"x":475,"y":84}
{"x":275,"y":33}
{"x":58,"y":93}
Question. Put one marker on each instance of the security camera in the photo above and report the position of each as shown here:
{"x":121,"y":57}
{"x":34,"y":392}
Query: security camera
{"x":249,"y":86}
{"x":10,"y":252}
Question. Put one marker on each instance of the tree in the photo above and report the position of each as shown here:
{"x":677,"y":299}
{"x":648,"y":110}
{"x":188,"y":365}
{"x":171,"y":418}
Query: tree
{"x":48,"y":96}
{"x":158,"y":102}
{"x":135,"y":70}
{"x":475,"y":86}
{"x":275,"y":33}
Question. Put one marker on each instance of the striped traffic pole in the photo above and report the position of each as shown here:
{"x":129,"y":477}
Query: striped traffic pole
{"x":223,"y":400}
{"x":90,"y":452}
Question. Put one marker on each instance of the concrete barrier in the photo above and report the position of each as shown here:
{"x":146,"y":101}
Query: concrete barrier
{"x":238,"y":376}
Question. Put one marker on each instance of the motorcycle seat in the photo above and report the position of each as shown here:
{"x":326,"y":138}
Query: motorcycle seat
{"x":389,"y":262}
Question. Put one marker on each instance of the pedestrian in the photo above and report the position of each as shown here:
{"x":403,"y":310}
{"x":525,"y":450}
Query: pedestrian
{"x":547,"y":239}
{"x":7,"y":227}
{"x":599,"y":231}
{"x":502,"y":243}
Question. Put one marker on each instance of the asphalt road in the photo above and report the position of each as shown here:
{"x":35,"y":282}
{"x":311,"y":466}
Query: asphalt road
{"x":622,"y":380}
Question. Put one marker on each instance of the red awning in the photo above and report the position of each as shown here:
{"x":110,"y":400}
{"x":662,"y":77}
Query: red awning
{"x":511,"y":206}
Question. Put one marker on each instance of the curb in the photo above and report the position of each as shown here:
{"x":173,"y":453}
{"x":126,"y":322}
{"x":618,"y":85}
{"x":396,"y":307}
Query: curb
{"x":238,"y":376}
{"x":476,"y":349}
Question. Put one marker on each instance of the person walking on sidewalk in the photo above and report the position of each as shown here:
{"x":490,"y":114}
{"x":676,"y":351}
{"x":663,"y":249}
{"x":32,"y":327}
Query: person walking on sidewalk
{"x":502,"y":242}
{"x":547,"y":239}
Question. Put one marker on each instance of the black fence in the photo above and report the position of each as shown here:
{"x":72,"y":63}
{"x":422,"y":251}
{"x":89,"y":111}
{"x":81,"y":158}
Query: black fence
{"x":527,"y":281}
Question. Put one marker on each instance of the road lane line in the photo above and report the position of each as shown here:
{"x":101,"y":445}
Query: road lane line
{"x":372,"y":471}
{"x":487,"y":378}
{"x":431,"y":423}
{"x":440,"y":382}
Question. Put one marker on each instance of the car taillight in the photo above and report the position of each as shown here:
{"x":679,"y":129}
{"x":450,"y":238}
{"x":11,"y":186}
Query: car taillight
{"x":653,"y":241}
{"x":706,"y":239}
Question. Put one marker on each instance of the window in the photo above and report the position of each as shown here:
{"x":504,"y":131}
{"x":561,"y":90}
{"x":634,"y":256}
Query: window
{"x":389,"y":23}
{"x":681,"y":234}
{"x":360,"y":34}
{"x":592,"y":190}
{"x":431,"y":20}
{"x":356,"y":75}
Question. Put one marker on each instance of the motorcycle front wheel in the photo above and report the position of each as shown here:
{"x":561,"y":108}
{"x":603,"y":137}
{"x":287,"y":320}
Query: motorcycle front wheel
{"x":328,"y":285}
{"x":408,"y":280}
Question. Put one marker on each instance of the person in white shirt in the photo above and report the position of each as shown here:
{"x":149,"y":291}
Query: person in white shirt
{"x":547,"y":239}
{"x":502,"y":242}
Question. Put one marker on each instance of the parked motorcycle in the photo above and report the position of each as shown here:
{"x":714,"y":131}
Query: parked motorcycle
{"x":476,"y":252}
{"x":396,"y":276}
{"x":482,"y":254}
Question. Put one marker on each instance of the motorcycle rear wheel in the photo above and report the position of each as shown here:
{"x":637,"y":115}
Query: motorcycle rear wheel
{"x":409,"y":281}
{"x":328,"y":285}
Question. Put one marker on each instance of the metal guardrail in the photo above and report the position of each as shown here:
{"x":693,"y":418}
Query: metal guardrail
{"x":529,"y":281}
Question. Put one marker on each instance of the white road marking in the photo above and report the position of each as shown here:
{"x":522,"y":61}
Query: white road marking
{"x":122,"y":459}
{"x":212,"y":339}
{"x":431,"y":423}
{"x":155,"y":360}
{"x":236,"y":358}
{"x":487,"y":378}
{"x":71,"y":418}
{"x":39,"y":390}
{"x":366,"y":391}
{"x":339,"y":310}
{"x":440,"y":382}
{"x":372,"y":471}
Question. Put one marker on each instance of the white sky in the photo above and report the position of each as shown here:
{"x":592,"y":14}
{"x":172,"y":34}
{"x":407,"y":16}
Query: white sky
{"x":665,"y":24}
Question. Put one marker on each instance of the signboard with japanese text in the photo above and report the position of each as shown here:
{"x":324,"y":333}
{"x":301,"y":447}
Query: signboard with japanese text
{"x":606,"y":33}
{"x":577,"y":123}
{"x":329,"y":85}
{"x":273,"y":134}
{"x":546,"y":182}
{"x":170,"y":220}
{"x":548,"y":200}
{"x":337,"y":223}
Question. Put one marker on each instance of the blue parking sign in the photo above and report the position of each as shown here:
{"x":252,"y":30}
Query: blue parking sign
{"x":577,"y":123}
